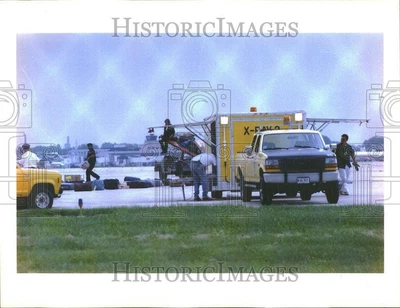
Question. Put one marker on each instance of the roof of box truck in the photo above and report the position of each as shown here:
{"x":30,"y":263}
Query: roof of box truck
{"x":287,"y":131}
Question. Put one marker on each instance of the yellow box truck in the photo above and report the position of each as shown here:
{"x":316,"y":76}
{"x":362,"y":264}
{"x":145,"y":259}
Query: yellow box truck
{"x":228,"y":135}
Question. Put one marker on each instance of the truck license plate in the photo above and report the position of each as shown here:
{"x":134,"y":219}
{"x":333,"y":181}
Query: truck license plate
{"x":303,"y":180}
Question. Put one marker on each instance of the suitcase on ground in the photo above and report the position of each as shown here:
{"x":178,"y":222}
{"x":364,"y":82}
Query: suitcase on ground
{"x":111,"y":183}
{"x":87,"y":186}
{"x":157,"y":183}
{"x":151,"y":183}
{"x":139,"y":184}
{"x":131,"y":179}
{"x":97,"y":185}
{"x":68,"y":186}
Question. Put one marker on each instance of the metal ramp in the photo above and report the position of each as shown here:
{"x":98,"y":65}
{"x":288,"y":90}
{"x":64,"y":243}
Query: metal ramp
{"x":181,"y":147}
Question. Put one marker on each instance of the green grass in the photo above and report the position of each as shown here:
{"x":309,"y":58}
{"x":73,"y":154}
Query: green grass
{"x":313,"y":239}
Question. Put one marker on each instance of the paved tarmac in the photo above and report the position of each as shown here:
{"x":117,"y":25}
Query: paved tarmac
{"x":363,"y":191}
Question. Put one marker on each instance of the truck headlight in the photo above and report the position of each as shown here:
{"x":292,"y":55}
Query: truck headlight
{"x":272,"y":165}
{"x":330,"y":164}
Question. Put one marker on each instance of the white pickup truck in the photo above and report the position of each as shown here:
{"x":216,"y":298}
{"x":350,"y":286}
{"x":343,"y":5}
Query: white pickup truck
{"x":287,"y":161}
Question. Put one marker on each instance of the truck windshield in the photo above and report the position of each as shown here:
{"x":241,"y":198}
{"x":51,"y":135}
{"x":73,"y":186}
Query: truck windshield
{"x":292,"y":140}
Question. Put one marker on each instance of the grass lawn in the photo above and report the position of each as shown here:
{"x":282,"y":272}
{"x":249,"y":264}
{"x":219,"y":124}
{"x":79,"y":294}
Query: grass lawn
{"x":313,"y":239}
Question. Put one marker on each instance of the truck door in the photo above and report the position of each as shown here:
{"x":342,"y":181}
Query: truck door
{"x":254,"y":160}
{"x":23,"y":179}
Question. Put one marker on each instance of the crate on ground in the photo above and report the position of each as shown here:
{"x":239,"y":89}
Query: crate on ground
{"x":72,"y":178}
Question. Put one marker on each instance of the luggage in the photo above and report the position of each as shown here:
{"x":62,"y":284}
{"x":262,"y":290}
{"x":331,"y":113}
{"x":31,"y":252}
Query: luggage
{"x":157,"y":183}
{"x":97,"y":185}
{"x":68,"y":186}
{"x":87,"y":186}
{"x":140,"y":184}
{"x":111,"y":184}
{"x":131,"y":179}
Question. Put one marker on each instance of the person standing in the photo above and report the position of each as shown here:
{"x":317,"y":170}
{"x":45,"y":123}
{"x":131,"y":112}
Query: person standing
{"x":169,"y":132}
{"x":28,"y":158}
{"x":91,"y":159}
{"x":198,"y":166}
{"x":344,"y":152}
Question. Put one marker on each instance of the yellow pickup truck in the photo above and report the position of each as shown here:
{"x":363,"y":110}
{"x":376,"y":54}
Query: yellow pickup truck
{"x":37,"y":188}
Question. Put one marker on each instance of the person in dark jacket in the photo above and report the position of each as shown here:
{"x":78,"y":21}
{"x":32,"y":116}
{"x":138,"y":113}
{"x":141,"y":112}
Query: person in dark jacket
{"x":91,"y":159}
{"x":169,"y":132}
{"x":344,"y":152}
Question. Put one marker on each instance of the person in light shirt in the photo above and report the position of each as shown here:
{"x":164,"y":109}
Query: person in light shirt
{"x":28,"y":158}
{"x":198,"y":166}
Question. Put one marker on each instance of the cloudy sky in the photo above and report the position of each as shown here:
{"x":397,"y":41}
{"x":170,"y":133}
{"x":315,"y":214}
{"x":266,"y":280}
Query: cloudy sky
{"x":98,"y":88}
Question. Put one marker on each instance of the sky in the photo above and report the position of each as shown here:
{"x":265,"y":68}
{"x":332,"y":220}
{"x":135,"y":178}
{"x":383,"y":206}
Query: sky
{"x":98,"y":88}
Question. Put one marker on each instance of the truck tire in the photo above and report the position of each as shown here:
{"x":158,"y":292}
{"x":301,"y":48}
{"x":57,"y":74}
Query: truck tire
{"x":332,"y":193}
{"x":245,"y":192}
{"x":41,"y":198}
{"x":265,"y":193}
{"x":305,"y":195}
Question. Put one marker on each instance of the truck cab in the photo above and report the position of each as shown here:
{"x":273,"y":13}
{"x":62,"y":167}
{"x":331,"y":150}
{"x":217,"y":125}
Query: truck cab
{"x":290,"y":162}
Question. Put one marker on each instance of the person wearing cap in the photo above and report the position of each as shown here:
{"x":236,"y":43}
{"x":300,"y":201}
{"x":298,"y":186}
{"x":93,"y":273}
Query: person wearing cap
{"x":169,"y":132}
{"x":344,"y":152}
{"x":28,"y":158}
{"x":91,"y":159}
{"x":198,"y":166}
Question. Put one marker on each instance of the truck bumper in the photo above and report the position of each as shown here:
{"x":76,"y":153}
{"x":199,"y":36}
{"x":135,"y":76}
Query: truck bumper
{"x":292,"y":178}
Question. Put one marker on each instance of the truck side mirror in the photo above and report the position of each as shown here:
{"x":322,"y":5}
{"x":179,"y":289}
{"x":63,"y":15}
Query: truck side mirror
{"x":248,"y":150}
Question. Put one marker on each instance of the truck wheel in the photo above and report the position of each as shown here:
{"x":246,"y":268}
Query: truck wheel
{"x":332,"y":193}
{"x":245,"y":192}
{"x":305,"y":195}
{"x":41,"y":198}
{"x":265,"y":193}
